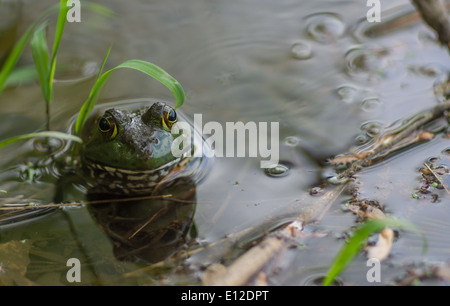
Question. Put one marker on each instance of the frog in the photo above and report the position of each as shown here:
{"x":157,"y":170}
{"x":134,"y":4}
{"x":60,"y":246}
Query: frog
{"x":128,"y":151}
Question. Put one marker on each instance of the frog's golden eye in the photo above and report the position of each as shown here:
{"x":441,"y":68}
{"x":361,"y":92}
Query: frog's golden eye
{"x":108,"y":127}
{"x":169,"y":118}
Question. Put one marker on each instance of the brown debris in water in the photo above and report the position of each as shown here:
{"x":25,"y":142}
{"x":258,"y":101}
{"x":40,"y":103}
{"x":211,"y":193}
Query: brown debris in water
{"x":416,"y":275}
{"x":371,"y":209}
{"x":432,"y":181}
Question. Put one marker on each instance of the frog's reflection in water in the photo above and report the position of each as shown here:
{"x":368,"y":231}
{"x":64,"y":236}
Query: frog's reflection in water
{"x":148,"y":229}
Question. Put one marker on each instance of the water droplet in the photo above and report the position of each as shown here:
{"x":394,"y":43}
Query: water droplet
{"x":301,"y":50}
{"x":367,"y":63}
{"x":279,"y":170}
{"x":361,"y":139}
{"x":325,"y":27}
{"x":433,"y":160}
{"x":347,"y":93}
{"x":291,"y":141}
{"x":370,"y":104}
{"x":372,"y":128}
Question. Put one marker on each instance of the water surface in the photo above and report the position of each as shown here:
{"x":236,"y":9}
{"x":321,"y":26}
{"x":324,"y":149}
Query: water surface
{"x":313,"y":66}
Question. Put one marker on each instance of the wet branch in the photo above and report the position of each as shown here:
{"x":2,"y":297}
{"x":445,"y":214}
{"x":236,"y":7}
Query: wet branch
{"x":388,"y":141}
{"x":248,"y":264}
{"x":434,"y":13}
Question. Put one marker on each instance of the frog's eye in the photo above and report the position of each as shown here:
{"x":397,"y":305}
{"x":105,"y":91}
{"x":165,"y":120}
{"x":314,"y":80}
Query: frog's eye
{"x":169,"y":118}
{"x":108,"y":127}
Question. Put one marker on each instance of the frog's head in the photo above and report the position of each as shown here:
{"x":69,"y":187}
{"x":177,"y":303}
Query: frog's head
{"x":121,"y":146}
{"x":133,"y":140}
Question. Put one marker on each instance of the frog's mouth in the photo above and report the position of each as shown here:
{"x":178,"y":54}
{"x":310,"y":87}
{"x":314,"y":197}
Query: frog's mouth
{"x":126,"y":181}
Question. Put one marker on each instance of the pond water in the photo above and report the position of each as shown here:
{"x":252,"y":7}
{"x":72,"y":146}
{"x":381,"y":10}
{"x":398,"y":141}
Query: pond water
{"x":316,"y":67}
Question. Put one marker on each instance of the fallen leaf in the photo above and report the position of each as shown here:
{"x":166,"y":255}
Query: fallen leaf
{"x":383,"y":245}
{"x":366,"y":210}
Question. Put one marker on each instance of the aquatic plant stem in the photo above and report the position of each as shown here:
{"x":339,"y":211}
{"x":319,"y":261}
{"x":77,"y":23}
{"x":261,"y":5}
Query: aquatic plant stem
{"x":58,"y":205}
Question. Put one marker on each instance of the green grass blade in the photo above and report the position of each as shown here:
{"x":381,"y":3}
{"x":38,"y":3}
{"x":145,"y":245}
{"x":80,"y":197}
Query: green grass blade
{"x":159,"y":74}
{"x":22,"y":75}
{"x":143,"y":66}
{"x":59,"y":135}
{"x":89,"y":104}
{"x":103,"y":64}
{"x":353,"y":246}
{"x":62,"y":17}
{"x":19,"y":46}
{"x":15,"y":53}
{"x":41,"y":59}
{"x":14,"y":57}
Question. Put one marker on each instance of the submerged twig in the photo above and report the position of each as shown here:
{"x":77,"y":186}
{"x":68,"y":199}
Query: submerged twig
{"x":246,"y":266}
{"x":85,"y":203}
{"x":151,"y":219}
{"x":390,"y":140}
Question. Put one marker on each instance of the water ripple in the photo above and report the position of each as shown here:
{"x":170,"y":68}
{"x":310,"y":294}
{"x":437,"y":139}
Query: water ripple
{"x":325,"y":27}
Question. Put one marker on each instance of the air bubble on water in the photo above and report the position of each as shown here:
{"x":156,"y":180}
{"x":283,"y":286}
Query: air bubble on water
{"x":291,"y":141}
{"x":367,"y":63}
{"x":446,"y":151}
{"x":325,"y":27}
{"x":433,"y":160}
{"x":279,"y":170}
{"x":370,"y":104}
{"x":372,"y":128}
{"x":301,"y":50}
{"x":361,"y":139}
{"x":347,"y":93}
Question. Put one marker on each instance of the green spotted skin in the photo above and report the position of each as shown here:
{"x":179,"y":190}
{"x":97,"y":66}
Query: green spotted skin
{"x":129,"y":151}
